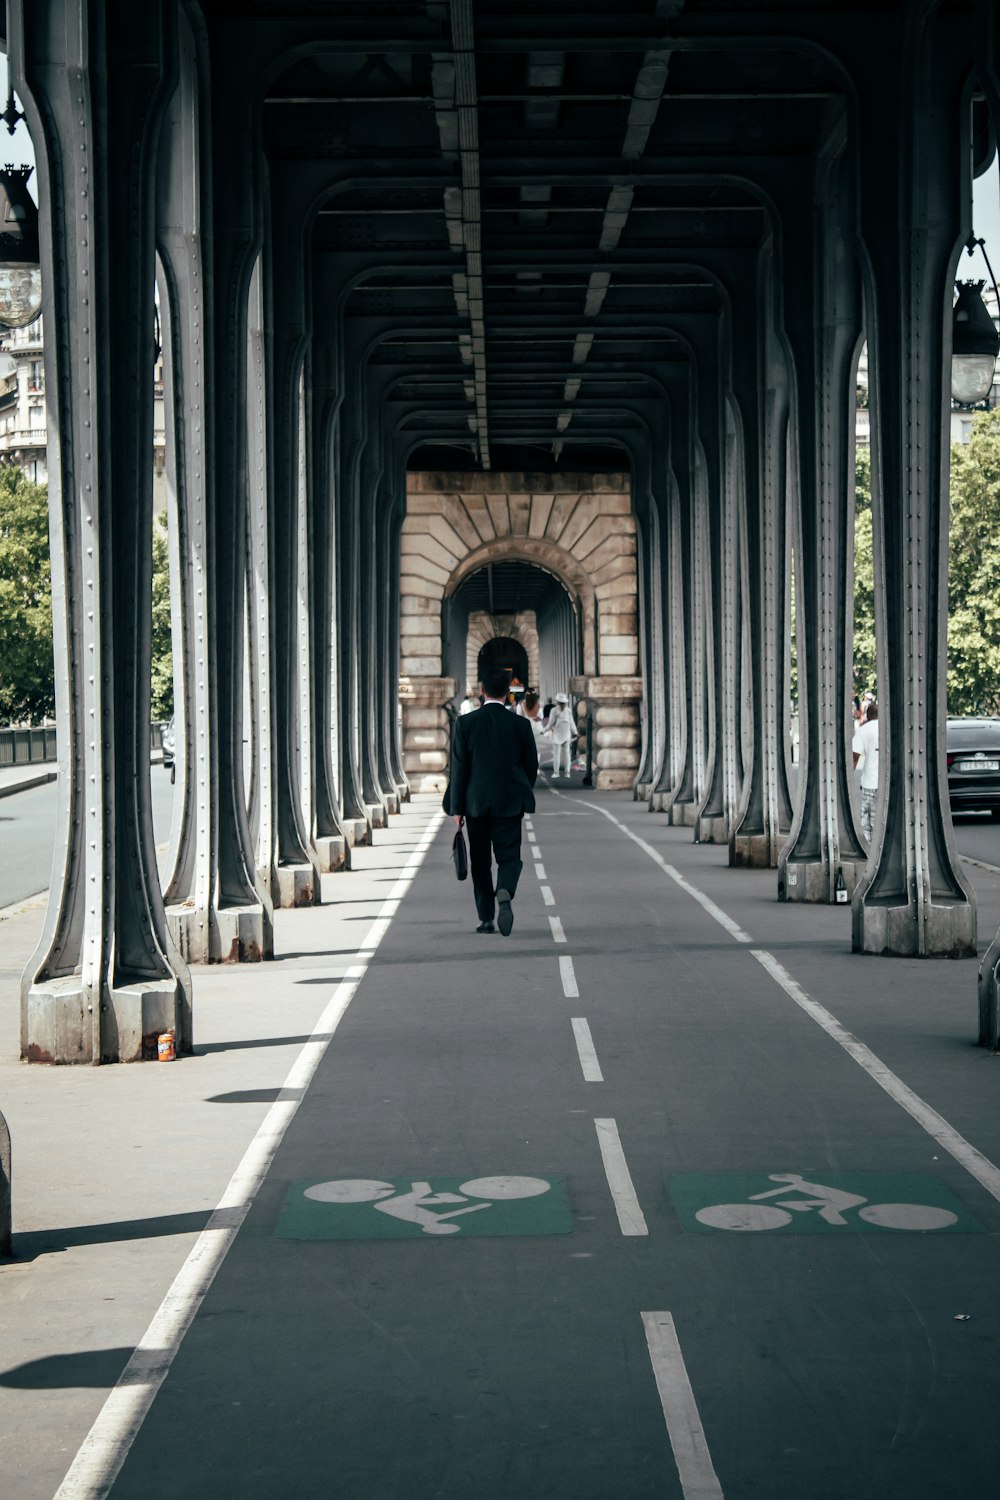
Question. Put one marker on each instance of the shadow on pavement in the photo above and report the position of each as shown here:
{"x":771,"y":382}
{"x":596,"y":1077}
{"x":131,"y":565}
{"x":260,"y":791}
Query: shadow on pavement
{"x":92,"y":1367}
{"x":28,"y":1246}
{"x":254,"y":1096}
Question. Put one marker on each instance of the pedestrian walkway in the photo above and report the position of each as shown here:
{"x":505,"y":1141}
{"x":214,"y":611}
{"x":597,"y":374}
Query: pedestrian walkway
{"x":729,"y":1193}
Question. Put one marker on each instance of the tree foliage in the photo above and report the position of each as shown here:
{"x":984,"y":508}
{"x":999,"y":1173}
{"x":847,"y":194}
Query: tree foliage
{"x":974,"y":571}
{"x":864,"y":575}
{"x":162,"y":697}
{"x":27,"y":675}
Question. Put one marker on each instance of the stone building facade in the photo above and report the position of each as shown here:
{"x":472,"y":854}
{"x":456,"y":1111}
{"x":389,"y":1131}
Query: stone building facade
{"x":578,"y":528}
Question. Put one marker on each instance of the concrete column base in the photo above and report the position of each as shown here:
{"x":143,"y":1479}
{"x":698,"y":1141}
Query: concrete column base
{"x":643,"y":791}
{"x":816,"y":880}
{"x":246,"y":935}
{"x":357,"y":831}
{"x":392,"y":803}
{"x":711,"y":830}
{"x":683,"y":814}
{"x":296,"y":885}
{"x":753,"y":851}
{"x":896,"y":932}
{"x":659,"y":802}
{"x":138,"y":1013}
{"x":58,"y":1022}
{"x":190,"y":932}
{"x":332,"y":853}
{"x":377,"y":815}
{"x":989,"y":997}
{"x":5,"y":1189}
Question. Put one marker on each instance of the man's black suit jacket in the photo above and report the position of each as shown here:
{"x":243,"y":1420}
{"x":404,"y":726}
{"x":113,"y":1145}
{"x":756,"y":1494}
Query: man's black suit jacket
{"x":494,"y":764}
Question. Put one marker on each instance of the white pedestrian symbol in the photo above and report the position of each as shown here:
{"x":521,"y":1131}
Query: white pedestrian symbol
{"x":418,"y":1204}
{"x":830,"y":1203}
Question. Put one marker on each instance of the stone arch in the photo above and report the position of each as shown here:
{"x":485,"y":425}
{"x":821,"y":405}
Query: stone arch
{"x":577,"y":527}
{"x":521,"y":627}
{"x":552,"y":559}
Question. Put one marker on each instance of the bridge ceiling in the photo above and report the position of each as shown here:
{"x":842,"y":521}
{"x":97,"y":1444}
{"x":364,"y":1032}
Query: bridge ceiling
{"x":528,"y":211}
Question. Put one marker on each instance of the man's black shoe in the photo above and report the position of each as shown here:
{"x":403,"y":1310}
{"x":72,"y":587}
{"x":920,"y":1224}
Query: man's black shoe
{"x":505,"y":917}
{"x":486,"y":927}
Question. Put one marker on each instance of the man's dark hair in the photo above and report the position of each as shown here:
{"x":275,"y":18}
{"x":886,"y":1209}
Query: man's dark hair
{"x":872,"y":712}
{"x":495,"y":682}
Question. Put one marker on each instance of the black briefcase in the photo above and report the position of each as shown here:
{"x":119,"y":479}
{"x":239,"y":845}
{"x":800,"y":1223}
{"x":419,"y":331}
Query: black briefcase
{"x":460,"y":855}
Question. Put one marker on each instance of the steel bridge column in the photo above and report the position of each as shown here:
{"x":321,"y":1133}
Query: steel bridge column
{"x":105,"y":978}
{"x":298,"y":876}
{"x":913,"y":156}
{"x":332,"y":849}
{"x":189,"y":887}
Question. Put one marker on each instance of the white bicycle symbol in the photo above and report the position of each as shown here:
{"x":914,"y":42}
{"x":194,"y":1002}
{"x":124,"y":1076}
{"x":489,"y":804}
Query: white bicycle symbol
{"x":830,"y":1203}
{"x":415,"y":1207}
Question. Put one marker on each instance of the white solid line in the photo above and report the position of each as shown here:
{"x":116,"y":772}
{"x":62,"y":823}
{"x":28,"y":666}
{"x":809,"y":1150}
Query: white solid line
{"x":106,"y":1446}
{"x":540,"y":871}
{"x":558,"y":935}
{"x":630,"y":1215}
{"x":699,"y":1480}
{"x":937,"y":1127}
{"x":568,"y":977}
{"x":703,"y":901}
{"x":588,"y":1053}
{"x":547,"y":896}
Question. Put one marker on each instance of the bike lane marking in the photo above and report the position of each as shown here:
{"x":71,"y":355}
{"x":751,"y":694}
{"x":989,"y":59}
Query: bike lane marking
{"x":936,"y":1126}
{"x":986,"y":1173}
{"x":568,"y":976}
{"x":630,"y":1215}
{"x":558,"y":936}
{"x":695,"y":1469}
{"x":587,"y":1051}
{"x":102,"y":1453}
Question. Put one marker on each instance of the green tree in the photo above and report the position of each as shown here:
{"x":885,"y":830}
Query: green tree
{"x":27,"y":675}
{"x":864,"y":575}
{"x":974,"y":571}
{"x":162,"y":697}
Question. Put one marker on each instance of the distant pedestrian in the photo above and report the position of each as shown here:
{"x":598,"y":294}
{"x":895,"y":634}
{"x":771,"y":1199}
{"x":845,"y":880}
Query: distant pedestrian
{"x":560,"y":729}
{"x":469,"y":703}
{"x":494,"y":764}
{"x":865,"y":750}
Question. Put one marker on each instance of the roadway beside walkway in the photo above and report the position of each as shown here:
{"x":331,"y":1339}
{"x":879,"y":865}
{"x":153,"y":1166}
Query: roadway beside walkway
{"x":667,"y":1195}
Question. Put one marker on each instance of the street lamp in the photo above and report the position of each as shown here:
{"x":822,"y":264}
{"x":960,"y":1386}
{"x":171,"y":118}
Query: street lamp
{"x":20,"y":273}
{"x":974,"y":341}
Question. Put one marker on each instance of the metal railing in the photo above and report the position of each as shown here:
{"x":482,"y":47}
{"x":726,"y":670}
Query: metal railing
{"x":30,"y":747}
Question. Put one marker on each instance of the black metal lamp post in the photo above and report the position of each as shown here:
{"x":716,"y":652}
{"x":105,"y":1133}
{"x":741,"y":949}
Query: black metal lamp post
{"x":20,"y":273}
{"x":975,"y":340}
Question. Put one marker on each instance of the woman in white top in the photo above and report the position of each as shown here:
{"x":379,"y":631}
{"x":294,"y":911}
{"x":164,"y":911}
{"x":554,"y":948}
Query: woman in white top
{"x":560,"y":730}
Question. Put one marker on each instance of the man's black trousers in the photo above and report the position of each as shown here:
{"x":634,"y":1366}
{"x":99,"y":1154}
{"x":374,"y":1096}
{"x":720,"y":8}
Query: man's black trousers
{"x":502,"y":837}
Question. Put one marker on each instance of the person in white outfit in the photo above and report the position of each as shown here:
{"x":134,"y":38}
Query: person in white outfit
{"x":865,"y":750}
{"x":560,"y":729}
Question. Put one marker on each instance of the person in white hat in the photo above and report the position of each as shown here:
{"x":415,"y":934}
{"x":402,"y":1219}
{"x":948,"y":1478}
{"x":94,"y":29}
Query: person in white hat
{"x":560,"y":727}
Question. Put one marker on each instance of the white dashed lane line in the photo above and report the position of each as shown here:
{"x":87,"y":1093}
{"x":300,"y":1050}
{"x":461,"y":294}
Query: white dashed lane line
{"x":588,"y":1054}
{"x":630,"y":1215}
{"x":540,"y":871}
{"x":695,"y":1469}
{"x":568,"y":976}
{"x":547,"y":896}
{"x":558,"y":936}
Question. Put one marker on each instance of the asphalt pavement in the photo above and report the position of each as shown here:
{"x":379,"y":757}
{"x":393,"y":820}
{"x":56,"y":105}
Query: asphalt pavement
{"x":668,"y":1194}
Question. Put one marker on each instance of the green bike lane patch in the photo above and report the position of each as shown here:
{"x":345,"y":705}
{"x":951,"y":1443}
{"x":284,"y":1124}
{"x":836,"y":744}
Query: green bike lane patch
{"x":818,"y":1203}
{"x":402,"y":1208}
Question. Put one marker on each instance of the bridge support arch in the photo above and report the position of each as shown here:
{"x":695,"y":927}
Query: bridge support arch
{"x":579,"y":529}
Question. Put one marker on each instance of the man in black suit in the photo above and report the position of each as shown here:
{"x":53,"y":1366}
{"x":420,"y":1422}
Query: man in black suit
{"x":494,"y":764}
